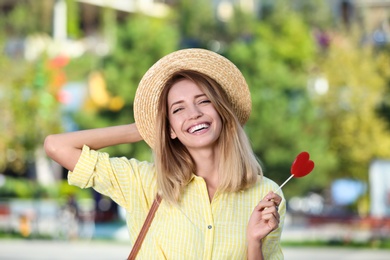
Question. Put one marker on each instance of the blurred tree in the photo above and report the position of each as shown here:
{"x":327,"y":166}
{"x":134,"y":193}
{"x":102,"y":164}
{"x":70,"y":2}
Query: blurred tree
{"x":28,"y":107}
{"x":383,"y":59}
{"x":27,"y":17}
{"x":276,"y":60}
{"x":29,"y":111}
{"x":73,"y":19}
{"x":316,"y":13}
{"x":196,"y":22}
{"x":241,"y":25}
{"x":140,"y":42}
{"x":356,"y":88}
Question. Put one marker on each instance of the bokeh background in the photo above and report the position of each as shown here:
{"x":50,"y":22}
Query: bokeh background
{"x":319,"y":75}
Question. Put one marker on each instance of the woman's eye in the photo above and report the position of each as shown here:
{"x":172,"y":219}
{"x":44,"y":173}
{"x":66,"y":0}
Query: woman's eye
{"x":205,"y":101}
{"x":176,"y":110}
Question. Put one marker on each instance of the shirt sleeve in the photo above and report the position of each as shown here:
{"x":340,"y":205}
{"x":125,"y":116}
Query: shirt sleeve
{"x":126,"y":181}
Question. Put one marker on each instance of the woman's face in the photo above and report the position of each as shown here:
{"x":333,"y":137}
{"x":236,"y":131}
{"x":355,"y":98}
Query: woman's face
{"x":192,"y":117}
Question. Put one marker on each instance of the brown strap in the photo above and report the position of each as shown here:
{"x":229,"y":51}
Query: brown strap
{"x":145,"y":228}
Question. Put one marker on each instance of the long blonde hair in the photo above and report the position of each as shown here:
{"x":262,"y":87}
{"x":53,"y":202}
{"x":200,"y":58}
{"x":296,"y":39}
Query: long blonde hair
{"x":238,"y":166}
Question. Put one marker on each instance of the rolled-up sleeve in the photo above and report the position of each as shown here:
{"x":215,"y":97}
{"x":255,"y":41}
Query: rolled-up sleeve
{"x":84,"y":169}
{"x":123,"y":180}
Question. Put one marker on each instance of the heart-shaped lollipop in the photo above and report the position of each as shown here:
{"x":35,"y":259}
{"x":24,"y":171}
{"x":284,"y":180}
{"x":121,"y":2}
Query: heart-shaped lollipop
{"x":301,"y":166}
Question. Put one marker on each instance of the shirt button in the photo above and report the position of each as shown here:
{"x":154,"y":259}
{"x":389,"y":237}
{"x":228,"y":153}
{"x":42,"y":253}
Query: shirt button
{"x":209,"y":226}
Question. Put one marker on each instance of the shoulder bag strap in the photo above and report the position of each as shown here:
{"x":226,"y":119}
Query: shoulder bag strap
{"x":145,"y":228}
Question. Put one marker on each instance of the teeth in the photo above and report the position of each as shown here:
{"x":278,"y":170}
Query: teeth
{"x":198,"y":127}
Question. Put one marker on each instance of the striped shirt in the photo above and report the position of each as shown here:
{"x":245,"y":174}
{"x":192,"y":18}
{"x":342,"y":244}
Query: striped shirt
{"x":193,"y":229}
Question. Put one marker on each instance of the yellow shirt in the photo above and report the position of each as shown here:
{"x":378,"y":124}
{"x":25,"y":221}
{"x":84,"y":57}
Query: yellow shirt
{"x":194,"y":229}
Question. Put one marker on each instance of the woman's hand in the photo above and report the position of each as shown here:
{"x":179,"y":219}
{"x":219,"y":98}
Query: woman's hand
{"x":264,"y":219}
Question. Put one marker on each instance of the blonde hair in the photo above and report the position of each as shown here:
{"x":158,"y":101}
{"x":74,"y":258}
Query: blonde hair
{"x":238,"y":166}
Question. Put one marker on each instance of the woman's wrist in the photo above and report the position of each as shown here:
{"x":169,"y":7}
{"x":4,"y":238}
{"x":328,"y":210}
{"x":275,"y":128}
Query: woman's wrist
{"x":110,"y":136}
{"x":255,"y":243}
{"x":255,"y":249}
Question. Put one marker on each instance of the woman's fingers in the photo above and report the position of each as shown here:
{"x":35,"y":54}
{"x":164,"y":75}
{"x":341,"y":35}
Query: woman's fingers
{"x":271,"y":196}
{"x":265,"y":217}
{"x":266,"y":203}
{"x":269,"y":207}
{"x":273,"y":223}
{"x":271,"y":215}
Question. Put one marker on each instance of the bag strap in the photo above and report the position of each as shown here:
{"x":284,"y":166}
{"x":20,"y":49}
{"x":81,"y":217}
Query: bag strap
{"x":145,"y":228}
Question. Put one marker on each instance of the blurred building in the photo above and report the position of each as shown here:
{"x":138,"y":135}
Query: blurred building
{"x":379,"y":174}
{"x":371,"y":15}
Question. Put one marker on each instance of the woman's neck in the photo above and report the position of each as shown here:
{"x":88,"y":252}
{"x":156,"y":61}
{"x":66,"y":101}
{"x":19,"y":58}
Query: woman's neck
{"x":207,"y":164}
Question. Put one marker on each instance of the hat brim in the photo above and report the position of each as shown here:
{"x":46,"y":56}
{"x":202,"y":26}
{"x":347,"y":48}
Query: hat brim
{"x":217,"y":67}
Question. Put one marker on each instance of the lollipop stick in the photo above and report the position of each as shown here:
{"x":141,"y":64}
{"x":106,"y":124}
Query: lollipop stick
{"x":284,"y":183}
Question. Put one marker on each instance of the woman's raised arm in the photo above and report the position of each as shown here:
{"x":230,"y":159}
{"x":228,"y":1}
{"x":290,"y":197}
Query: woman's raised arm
{"x":65,"y":148}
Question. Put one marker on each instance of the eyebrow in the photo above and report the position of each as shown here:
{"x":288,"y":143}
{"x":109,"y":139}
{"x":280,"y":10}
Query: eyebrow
{"x":181,"y":101}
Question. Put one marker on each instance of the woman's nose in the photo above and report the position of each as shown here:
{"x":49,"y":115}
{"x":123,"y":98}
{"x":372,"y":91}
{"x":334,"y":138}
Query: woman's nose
{"x":194,"y":112}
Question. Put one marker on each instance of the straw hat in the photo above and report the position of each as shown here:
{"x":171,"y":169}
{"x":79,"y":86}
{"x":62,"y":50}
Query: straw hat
{"x":206,"y":62}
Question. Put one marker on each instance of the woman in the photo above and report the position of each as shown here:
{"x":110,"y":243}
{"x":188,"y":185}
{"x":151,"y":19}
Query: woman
{"x":189,"y":107}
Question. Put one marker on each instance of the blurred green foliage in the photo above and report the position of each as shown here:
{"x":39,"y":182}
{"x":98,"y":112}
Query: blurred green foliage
{"x":29,"y":111}
{"x":356,"y":88}
{"x":278,"y":53}
{"x":28,"y":108}
{"x":340,"y":243}
{"x":284,"y":120}
{"x":27,"y":189}
{"x":195,"y":21}
{"x":73,"y":19}
{"x":140,"y":42}
{"x":27,"y":17}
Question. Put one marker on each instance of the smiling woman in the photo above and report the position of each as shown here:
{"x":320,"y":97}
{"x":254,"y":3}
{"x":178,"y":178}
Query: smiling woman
{"x":190,"y":108}
{"x":191,"y":113}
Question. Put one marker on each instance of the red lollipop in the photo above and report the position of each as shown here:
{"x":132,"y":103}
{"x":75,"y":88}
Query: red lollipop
{"x":301,"y":166}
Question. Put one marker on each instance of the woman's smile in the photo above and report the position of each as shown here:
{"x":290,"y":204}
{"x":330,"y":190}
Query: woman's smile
{"x":200,"y":128}
{"x":191,"y":114}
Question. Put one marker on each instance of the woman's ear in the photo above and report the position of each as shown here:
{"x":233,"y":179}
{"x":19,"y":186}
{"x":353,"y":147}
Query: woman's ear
{"x":173,"y":134}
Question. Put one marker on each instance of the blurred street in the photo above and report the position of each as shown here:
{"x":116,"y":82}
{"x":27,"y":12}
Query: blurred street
{"x":110,"y":241}
{"x":39,"y":249}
